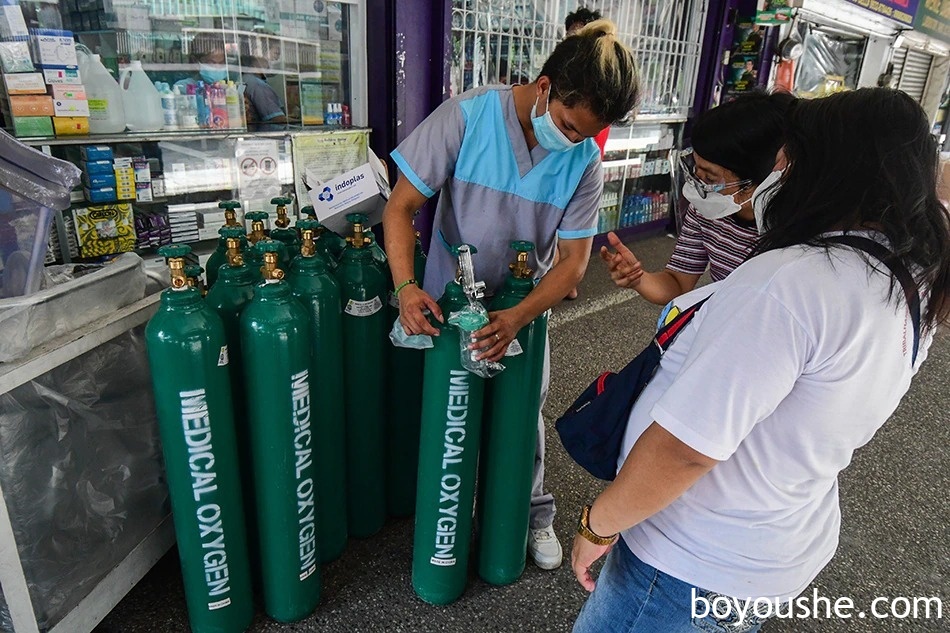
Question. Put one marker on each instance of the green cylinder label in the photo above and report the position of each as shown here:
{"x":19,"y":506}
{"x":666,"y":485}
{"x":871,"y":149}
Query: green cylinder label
{"x":303,"y":436}
{"x":455,"y":417}
{"x":197,"y":427}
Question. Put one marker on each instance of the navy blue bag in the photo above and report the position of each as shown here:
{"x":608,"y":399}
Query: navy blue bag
{"x":592,"y":428}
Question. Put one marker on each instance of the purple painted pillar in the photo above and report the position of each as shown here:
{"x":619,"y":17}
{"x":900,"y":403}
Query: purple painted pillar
{"x":408,"y":55}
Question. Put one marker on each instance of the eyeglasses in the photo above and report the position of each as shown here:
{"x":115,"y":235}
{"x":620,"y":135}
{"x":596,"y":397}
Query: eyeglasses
{"x":687,"y":163}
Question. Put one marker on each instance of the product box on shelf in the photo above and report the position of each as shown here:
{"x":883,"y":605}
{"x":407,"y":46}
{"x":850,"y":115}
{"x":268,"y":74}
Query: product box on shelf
{"x":361,"y":190}
{"x":71,"y":125}
{"x":32,"y":126}
{"x":100,"y":194}
{"x":15,"y":57}
{"x":71,"y":107}
{"x":24,"y":84}
{"x":97,"y":181}
{"x":54,"y":76}
{"x":54,"y":48}
{"x":68,"y":93}
{"x":96,"y":166}
{"x":12,"y":24}
{"x":95,"y":152}
{"x":143,"y":192}
{"x":104,"y":230}
{"x":31,"y":105}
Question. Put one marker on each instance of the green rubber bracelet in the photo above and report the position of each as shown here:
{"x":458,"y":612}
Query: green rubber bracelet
{"x":403,"y":285}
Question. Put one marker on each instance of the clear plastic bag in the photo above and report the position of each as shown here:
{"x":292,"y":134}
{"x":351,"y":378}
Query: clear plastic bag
{"x":81,"y":469}
{"x":470,"y":319}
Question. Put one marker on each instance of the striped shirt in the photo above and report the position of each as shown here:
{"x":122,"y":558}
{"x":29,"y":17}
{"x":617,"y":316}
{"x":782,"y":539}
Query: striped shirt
{"x":721,"y":244}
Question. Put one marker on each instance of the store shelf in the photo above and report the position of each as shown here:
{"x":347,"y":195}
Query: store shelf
{"x":56,"y":352}
{"x":627,"y":232}
{"x":186,"y":135}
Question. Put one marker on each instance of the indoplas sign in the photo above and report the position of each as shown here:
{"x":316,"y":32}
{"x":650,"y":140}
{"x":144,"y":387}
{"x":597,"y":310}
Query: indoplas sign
{"x":361,"y":190}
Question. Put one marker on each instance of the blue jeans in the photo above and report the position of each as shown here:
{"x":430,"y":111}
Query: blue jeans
{"x":633,"y":597}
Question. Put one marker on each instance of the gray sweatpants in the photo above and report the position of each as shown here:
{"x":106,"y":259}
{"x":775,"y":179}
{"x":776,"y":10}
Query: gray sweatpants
{"x":542,"y":503}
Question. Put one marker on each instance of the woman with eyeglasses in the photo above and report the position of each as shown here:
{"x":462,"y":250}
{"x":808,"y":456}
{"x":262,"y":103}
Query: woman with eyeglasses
{"x":735,"y":147}
{"x":726,"y":503}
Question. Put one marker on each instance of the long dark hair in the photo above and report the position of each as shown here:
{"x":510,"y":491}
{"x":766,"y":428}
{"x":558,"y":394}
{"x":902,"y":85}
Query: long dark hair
{"x":744,"y":135}
{"x":592,"y":68}
{"x":865,"y":160}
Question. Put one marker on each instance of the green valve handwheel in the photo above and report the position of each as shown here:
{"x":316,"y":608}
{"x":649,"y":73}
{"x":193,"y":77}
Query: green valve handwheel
{"x":174,"y":250}
{"x":268,"y":246}
{"x":309,"y":211}
{"x":522,"y":246}
{"x":308,"y":225}
{"x":229,"y":204}
{"x":281,"y":201}
{"x":256,"y":216}
{"x":357,"y":218}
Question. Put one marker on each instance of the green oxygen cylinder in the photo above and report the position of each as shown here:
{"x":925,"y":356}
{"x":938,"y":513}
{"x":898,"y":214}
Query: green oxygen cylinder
{"x":513,"y":401}
{"x":252,"y":256}
{"x":363,"y":292}
{"x":448,"y":460}
{"x":219,"y":257}
{"x":283,"y":233}
{"x":319,"y":292}
{"x":275,"y":337}
{"x":228,"y":297}
{"x":405,"y":411}
{"x":188,"y":355}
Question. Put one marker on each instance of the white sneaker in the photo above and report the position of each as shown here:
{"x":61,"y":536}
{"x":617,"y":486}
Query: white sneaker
{"x":544,"y":548}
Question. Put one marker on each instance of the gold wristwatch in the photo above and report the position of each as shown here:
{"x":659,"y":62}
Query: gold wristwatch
{"x":583,"y":528}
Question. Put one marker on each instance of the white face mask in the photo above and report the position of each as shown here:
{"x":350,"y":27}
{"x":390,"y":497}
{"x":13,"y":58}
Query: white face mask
{"x":714,"y":206}
{"x":761,"y":197}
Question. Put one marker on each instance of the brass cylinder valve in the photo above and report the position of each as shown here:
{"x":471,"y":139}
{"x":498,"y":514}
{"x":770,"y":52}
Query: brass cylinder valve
{"x":175,"y":256}
{"x":282,"y":221}
{"x":230,"y":208}
{"x":269,"y":250}
{"x":258,"y":232}
{"x":308,"y":237}
{"x":520,"y":266}
{"x":358,"y":239}
{"x":234,"y":255}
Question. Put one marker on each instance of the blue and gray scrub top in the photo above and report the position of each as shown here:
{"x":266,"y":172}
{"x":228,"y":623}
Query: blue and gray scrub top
{"x":494,"y":190}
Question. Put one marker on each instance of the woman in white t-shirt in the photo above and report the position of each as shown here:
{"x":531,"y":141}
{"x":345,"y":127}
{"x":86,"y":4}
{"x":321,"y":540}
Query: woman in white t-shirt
{"x":726,"y":499}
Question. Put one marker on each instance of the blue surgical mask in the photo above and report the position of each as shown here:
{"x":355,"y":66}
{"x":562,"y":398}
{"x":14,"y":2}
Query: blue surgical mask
{"x":213,"y":73}
{"x":549,"y":135}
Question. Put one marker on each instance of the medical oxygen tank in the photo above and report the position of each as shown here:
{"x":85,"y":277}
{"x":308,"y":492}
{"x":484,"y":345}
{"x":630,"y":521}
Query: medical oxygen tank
{"x":448,"y":459}
{"x":252,"y":256}
{"x":228,"y":298}
{"x":319,"y":292}
{"x":284,"y":233}
{"x":230,"y":229}
{"x":275,"y":336}
{"x":405,"y":410}
{"x":188,"y":356}
{"x":509,"y":435}
{"x":363,"y":293}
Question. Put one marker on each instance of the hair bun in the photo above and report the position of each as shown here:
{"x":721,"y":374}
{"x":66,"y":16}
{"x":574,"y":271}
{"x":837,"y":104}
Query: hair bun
{"x":598,"y":28}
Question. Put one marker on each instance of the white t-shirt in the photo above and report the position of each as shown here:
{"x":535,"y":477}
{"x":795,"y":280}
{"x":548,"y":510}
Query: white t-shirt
{"x":795,"y":361}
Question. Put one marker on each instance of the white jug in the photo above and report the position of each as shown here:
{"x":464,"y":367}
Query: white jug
{"x":106,"y":112}
{"x":143,"y":103}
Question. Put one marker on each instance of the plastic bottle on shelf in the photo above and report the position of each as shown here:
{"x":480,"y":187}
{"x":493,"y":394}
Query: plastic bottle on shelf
{"x":346,"y":117}
{"x":169,"y":105}
{"x":202,"y":105}
{"x":219,"y":106}
{"x":234,"y":103}
{"x":106,"y":111}
{"x":140,"y":99}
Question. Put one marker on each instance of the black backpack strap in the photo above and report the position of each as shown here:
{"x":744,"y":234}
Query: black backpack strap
{"x":664,"y":337}
{"x":900,"y":272}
